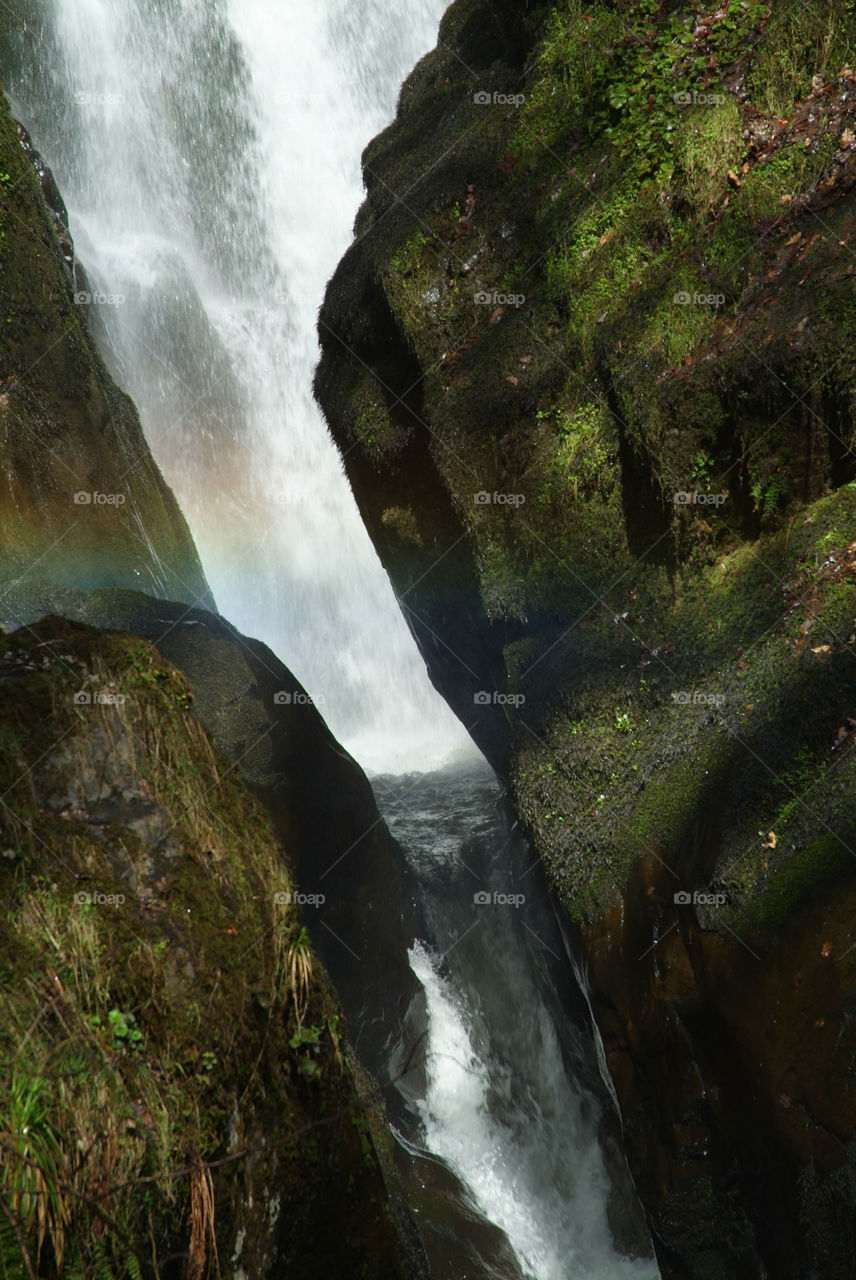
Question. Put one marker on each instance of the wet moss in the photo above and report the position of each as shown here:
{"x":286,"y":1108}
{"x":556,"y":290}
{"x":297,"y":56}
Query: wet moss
{"x":639,"y":335}
{"x":158,"y":991}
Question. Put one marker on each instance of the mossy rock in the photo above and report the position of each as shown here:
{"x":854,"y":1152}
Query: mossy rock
{"x":617,"y":297}
{"x":173,"y":1049}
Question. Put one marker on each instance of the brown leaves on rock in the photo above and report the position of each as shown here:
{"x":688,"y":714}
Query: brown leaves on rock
{"x":846,"y":734}
{"x":808,"y":592}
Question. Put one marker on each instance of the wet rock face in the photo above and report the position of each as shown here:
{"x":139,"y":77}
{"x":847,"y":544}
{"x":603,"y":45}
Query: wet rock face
{"x":588,"y":387}
{"x":355,"y":893}
{"x":198,"y":1091}
{"x":79,"y":481}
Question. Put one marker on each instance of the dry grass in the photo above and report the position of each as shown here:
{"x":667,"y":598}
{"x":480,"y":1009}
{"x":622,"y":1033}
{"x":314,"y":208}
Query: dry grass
{"x":203,"y":1238}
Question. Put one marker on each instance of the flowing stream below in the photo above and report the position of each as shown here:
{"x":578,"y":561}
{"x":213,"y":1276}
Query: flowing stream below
{"x":208,"y":152}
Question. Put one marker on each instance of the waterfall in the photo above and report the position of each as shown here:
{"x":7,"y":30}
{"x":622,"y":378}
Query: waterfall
{"x":208,"y":152}
{"x":509,"y":1104}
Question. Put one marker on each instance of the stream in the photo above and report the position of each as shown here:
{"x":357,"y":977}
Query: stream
{"x":208,"y":152}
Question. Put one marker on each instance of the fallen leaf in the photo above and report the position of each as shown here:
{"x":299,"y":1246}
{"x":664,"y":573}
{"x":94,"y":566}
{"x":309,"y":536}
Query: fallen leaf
{"x":734,"y":180}
{"x":847,"y":138}
{"x":822,"y":648}
{"x":511,"y":378}
{"x":826,"y":949}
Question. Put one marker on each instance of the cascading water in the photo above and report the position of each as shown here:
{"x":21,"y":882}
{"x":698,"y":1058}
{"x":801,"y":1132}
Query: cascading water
{"x":503,"y":1105}
{"x":208,"y":152}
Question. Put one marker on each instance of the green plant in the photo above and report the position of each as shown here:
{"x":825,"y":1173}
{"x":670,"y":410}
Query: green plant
{"x":622,"y":721}
{"x":33,"y":1166}
{"x":767,"y":494}
{"x":703,"y":467}
{"x":126,"y":1033}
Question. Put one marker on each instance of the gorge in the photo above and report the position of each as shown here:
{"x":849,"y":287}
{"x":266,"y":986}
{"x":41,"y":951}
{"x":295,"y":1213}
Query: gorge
{"x":584,"y":365}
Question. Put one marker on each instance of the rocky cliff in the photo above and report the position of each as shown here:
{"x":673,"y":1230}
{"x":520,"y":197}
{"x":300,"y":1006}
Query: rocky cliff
{"x":588,"y":366}
{"x":178,"y":1095}
{"x":82,"y":498}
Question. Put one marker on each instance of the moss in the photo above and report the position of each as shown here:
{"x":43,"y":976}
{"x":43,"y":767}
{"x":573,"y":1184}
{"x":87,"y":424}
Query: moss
{"x":672,"y":205}
{"x":157,"y":983}
{"x":403,"y":522}
{"x":802,"y":42}
{"x":807,"y":874}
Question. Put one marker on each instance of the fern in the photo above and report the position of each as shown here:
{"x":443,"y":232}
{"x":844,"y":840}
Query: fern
{"x":132,"y":1267}
{"x":101,"y":1265}
{"x":766,"y":495}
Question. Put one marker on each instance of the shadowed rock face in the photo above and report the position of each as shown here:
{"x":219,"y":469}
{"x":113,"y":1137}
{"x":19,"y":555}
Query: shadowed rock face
{"x":71,"y":434}
{"x":321,"y":802}
{"x":192,"y":1091}
{"x":355,"y":891}
{"x":586,"y":365}
{"x":82,"y":497}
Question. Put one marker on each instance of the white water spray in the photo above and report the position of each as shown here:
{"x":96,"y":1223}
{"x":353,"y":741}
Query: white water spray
{"x":208,"y":152}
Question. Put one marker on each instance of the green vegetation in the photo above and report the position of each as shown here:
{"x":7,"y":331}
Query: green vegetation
{"x":154,"y":989}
